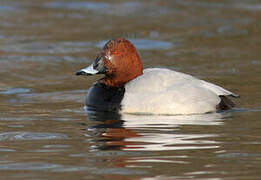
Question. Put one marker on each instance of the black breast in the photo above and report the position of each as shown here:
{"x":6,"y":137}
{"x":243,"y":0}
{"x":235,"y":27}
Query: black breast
{"x":104,"y":98}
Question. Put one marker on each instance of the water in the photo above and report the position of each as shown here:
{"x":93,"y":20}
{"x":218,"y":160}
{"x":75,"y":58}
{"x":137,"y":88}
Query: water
{"x":45,"y":133}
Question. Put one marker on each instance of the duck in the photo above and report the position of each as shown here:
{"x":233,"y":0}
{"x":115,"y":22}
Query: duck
{"x":128,"y":88}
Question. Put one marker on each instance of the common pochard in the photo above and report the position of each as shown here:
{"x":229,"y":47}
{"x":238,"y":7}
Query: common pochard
{"x":127,"y":88}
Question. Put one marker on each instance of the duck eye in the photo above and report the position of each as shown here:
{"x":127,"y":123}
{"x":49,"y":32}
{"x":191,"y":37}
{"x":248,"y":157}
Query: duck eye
{"x":115,"y":53}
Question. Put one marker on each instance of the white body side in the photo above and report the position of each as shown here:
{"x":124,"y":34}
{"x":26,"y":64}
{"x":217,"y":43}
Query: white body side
{"x":163,"y":91}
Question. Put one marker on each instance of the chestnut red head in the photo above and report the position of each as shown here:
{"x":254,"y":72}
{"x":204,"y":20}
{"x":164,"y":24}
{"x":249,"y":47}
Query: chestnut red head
{"x":118,"y":60}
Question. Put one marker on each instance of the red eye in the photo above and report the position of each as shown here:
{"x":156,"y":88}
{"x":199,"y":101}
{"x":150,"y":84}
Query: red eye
{"x":115,"y":53}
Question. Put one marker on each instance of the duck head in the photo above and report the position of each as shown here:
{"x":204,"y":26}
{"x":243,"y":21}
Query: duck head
{"x":118,"y":61}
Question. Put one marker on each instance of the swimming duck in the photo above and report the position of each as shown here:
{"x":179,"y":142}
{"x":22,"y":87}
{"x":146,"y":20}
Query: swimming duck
{"x":127,"y":88}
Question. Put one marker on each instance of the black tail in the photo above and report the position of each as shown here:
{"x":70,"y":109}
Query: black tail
{"x":225,"y":103}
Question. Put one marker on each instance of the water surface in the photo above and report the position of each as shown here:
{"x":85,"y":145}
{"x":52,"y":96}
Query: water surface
{"x":45,"y":133}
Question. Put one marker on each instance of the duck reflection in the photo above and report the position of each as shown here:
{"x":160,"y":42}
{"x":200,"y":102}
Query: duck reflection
{"x":107,"y":131}
{"x":113,"y":131}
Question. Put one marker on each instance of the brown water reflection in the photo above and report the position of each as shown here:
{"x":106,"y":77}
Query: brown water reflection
{"x":151,"y":133}
{"x":45,"y":132}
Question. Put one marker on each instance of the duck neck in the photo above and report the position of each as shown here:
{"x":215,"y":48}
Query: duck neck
{"x":119,"y":81}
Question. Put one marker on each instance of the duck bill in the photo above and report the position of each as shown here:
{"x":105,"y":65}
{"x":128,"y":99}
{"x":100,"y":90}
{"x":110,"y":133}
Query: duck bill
{"x":97,"y":67}
{"x":88,"y":71}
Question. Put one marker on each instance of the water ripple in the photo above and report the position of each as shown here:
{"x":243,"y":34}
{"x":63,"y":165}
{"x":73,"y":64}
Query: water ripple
{"x":153,"y":133}
{"x":10,"y":136}
{"x":78,"y":5}
{"x":6,"y":150}
{"x":144,"y":44}
{"x":15,"y":91}
{"x":120,"y":9}
{"x":28,"y":166}
{"x":46,"y":47}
